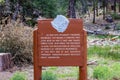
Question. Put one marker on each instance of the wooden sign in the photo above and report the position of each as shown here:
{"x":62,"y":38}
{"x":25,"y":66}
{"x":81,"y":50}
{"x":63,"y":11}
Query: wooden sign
{"x":53,"y":48}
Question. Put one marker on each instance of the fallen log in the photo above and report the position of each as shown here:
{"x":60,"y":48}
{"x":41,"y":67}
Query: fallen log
{"x":101,"y":33}
{"x":96,"y":32}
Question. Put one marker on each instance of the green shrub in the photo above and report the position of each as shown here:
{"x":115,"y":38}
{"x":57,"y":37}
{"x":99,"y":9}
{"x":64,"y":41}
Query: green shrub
{"x":19,"y":76}
{"x":17,"y":40}
{"x":102,"y":73}
{"x":2,"y":50}
{"x":115,"y":16}
{"x":107,"y":27}
{"x":31,"y":22}
{"x":48,"y":75}
{"x":118,"y":26}
{"x":2,"y":1}
{"x":116,"y":70}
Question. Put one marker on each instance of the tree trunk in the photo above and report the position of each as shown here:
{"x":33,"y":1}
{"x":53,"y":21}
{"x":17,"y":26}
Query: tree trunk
{"x":97,"y":8}
{"x":115,"y":6}
{"x":93,"y":11}
{"x":84,"y":6}
{"x":71,"y":9}
{"x":119,"y":6}
{"x":107,"y":7}
{"x":103,"y":9}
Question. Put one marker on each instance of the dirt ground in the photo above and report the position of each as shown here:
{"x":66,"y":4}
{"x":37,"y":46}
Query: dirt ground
{"x":6,"y":75}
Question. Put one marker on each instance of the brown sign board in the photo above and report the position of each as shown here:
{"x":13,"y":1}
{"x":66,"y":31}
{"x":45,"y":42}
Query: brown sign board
{"x":53,"y":48}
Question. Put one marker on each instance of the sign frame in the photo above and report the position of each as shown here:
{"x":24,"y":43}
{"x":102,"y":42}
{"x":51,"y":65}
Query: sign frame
{"x":38,"y":64}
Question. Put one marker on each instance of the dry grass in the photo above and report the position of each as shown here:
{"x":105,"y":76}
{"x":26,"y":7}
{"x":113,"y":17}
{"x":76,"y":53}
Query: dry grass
{"x":18,"y":40}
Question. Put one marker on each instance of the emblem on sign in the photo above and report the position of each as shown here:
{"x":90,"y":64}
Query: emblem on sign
{"x":60,"y":23}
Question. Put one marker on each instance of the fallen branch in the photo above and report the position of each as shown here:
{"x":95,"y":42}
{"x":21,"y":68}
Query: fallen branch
{"x":100,"y":33}
{"x":94,"y":62}
{"x":96,"y":32}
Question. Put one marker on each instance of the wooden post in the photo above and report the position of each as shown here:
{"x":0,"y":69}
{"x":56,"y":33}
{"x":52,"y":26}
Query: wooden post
{"x":37,"y":69}
{"x":83,"y":69}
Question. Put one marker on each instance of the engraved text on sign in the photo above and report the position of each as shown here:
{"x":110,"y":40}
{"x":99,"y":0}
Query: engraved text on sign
{"x":59,"y":45}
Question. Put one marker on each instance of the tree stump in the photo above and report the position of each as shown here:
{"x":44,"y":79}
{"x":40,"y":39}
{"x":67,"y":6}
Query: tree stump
{"x":5,"y":61}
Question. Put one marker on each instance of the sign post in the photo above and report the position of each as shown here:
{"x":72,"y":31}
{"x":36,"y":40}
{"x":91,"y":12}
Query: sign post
{"x":53,"y":48}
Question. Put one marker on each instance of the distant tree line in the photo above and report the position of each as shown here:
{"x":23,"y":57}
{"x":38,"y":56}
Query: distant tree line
{"x":50,"y":8}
